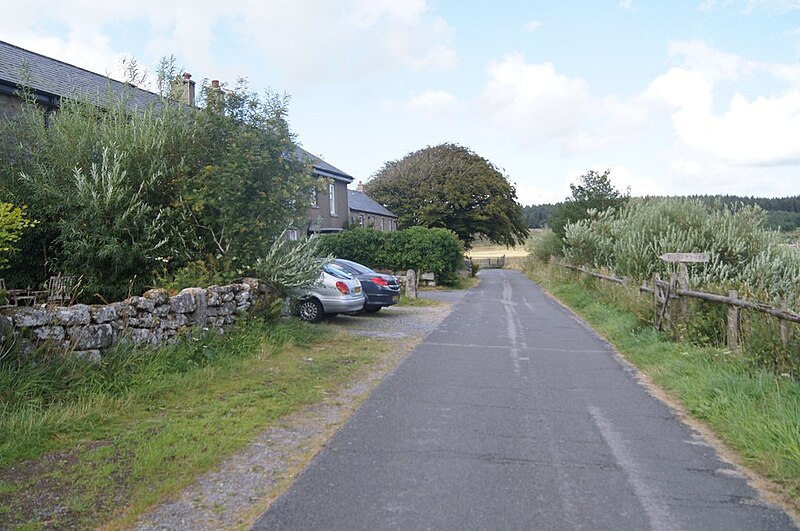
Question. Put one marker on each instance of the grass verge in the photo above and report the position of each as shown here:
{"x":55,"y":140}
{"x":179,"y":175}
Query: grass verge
{"x":754,"y":412}
{"x":83,"y":445}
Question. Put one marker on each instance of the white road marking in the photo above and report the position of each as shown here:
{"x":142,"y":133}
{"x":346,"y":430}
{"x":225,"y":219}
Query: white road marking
{"x":656,"y":511}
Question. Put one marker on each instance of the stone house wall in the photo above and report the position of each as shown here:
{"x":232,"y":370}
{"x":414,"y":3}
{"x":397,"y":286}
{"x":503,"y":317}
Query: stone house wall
{"x":153,"y":319}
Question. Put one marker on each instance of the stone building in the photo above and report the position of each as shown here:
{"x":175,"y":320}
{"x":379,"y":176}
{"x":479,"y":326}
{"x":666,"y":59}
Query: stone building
{"x":367,"y":212}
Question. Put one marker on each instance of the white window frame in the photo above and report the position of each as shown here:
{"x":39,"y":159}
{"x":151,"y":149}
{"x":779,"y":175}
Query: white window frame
{"x":293,"y":235}
{"x":314,"y":203}
{"x":332,"y":197}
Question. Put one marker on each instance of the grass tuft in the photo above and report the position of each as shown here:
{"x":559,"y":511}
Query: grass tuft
{"x":105,"y":441}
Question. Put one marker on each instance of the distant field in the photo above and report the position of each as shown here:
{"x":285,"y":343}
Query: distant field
{"x":497,"y":250}
{"x":485,"y":249}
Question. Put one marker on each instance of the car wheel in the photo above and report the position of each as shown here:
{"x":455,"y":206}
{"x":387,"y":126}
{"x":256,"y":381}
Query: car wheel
{"x":310,"y":310}
{"x":374,"y":309}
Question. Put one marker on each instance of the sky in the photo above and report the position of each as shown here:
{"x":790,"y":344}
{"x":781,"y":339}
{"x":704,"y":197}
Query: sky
{"x":674,"y":97}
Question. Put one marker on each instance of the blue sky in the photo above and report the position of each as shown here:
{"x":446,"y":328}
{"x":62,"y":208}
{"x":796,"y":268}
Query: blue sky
{"x":674,"y":97}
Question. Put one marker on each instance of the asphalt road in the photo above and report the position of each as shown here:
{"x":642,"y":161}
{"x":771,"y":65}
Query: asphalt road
{"x":514,"y":415}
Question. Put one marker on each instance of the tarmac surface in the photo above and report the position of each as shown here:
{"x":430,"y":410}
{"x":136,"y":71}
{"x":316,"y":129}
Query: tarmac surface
{"x":512,"y":414}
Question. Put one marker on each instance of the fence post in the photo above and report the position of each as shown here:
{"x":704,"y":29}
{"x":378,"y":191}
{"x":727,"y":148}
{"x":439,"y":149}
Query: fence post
{"x":733,"y":321}
{"x":656,"y":313}
{"x":784,"y":326}
{"x":684,"y":283}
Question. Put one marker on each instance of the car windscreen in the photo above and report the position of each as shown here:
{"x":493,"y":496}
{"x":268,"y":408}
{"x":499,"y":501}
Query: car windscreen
{"x":337,"y":271}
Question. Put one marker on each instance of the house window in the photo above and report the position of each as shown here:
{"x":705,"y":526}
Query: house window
{"x":361,"y":219}
{"x":332,"y":197}
{"x":293,"y":235}
{"x":313,"y":196}
{"x":382,"y":225}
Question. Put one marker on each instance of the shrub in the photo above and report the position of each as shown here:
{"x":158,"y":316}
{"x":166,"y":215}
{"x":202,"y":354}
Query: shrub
{"x":364,"y":245}
{"x":12,"y":222}
{"x":291,"y":265}
{"x":545,"y":244}
{"x":432,"y":250}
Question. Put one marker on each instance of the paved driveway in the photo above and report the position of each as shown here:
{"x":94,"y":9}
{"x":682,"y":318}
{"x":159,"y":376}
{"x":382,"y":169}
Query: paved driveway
{"x":513,"y":415}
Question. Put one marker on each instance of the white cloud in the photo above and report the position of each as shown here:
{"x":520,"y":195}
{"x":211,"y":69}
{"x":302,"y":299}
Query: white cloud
{"x":540,"y":105}
{"x":532,"y":26}
{"x":304,"y":39}
{"x":533,"y":99}
{"x":626,"y":4}
{"x":759,"y":131}
{"x":433,"y":103}
{"x":340,"y":39}
{"x":749,"y":6}
{"x":712,"y":65}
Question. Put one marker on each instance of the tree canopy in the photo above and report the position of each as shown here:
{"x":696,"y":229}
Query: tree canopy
{"x":450,"y":186}
{"x":593,"y":191}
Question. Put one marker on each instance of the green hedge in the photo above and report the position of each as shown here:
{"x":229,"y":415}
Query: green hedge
{"x":419,"y":248}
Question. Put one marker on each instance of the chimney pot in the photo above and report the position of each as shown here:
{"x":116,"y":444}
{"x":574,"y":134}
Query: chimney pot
{"x":215,"y":83}
{"x":187,"y":76}
{"x":360,"y":187}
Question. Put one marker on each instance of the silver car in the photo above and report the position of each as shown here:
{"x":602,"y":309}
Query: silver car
{"x":336,"y":291}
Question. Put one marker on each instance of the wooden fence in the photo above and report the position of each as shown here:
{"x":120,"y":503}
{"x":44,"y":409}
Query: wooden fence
{"x":491,"y":262}
{"x":666,"y":293}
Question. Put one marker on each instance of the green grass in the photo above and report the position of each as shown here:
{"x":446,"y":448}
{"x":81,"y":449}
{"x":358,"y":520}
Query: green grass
{"x":405,"y":301}
{"x":754,"y":411}
{"x":106,"y":441}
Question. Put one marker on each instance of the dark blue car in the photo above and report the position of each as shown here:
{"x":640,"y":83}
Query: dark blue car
{"x":381,"y":289}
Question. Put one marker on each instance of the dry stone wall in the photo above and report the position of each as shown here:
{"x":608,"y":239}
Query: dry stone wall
{"x":154,"y":319}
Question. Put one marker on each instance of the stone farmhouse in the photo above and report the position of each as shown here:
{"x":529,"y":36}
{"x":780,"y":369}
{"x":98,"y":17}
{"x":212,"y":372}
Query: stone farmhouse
{"x":49,"y":80}
{"x":367,"y":212}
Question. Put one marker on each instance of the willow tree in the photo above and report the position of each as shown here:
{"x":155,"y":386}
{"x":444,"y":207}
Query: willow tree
{"x":452,"y":187}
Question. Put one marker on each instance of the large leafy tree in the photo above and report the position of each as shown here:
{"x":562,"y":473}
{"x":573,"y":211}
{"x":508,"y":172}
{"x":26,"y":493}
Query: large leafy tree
{"x":450,"y":186}
{"x":593,"y":192}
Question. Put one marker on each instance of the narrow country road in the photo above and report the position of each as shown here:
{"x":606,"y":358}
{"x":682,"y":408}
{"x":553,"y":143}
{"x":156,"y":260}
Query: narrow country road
{"x":514,"y":415}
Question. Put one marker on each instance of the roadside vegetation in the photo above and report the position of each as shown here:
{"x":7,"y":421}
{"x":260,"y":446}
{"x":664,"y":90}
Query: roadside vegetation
{"x":82,"y":444}
{"x":750,"y":396}
{"x":752,"y":409}
{"x":128,"y":197}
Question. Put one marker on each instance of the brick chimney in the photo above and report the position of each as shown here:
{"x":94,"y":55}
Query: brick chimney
{"x":215,"y":94}
{"x":188,"y":89}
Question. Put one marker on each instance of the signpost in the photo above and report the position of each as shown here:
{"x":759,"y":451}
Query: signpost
{"x":685,"y":258}
{"x":682,"y":259}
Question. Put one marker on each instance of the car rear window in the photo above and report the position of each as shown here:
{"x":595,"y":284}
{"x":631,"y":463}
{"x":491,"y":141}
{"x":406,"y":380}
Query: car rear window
{"x":337,"y":271}
{"x":358,"y":269}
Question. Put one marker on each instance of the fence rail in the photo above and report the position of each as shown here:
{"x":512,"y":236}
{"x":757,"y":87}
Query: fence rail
{"x":667,"y":292}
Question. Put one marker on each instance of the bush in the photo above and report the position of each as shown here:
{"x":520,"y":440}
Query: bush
{"x":12,"y":222}
{"x":431,"y":250}
{"x":364,"y":245}
{"x":545,"y":244}
{"x":291,"y":265}
{"x":126,"y":193}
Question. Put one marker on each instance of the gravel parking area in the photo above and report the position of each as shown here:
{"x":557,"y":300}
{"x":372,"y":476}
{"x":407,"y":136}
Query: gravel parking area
{"x":244,"y":485}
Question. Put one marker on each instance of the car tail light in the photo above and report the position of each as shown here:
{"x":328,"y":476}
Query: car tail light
{"x":380,"y":281}
{"x":342,"y":287}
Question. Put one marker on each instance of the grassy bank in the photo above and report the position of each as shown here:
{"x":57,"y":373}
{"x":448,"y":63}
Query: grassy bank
{"x":753,"y":411}
{"x":83,"y":444}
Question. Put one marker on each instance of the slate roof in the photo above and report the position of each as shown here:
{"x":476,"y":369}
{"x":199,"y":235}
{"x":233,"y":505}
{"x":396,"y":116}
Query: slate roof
{"x":363,"y":203}
{"x":52,"y":79}
{"x":322,"y":168}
